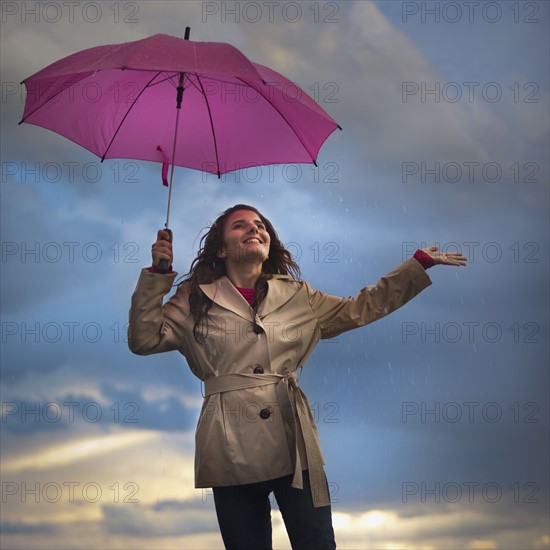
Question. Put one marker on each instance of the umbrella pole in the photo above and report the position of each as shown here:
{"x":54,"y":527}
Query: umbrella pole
{"x":173,"y":157}
{"x":163,"y":264}
{"x":179,"y":98}
{"x":178,"y":109}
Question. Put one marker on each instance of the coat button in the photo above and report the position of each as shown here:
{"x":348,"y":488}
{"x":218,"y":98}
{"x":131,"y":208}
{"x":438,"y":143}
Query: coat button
{"x":258,"y":369}
{"x":265,"y":414}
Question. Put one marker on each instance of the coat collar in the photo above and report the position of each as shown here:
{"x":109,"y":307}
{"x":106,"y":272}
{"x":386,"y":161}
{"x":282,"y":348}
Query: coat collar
{"x":223,"y":293}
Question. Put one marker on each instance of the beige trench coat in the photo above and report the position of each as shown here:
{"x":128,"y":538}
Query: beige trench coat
{"x":256,"y":423}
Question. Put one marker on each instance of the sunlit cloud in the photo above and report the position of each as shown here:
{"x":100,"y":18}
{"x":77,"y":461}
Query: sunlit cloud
{"x":542,"y":542}
{"x":75,"y":451}
{"x":485,"y":544}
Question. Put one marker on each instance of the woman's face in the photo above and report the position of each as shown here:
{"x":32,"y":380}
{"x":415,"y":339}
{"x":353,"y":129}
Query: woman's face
{"x":245,"y":238}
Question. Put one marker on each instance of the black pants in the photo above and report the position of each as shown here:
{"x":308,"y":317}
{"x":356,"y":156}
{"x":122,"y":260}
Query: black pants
{"x":244,"y":516}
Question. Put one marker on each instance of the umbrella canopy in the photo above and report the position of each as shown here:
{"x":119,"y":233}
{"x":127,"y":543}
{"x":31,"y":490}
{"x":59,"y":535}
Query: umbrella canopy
{"x":119,"y":101}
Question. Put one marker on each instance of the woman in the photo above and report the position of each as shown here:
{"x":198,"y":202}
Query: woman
{"x":245,"y":323}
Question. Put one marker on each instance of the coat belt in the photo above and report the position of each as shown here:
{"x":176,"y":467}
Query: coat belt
{"x":287,"y":390}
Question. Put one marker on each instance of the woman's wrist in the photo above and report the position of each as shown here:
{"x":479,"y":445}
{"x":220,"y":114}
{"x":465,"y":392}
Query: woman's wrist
{"x":426,"y":261}
{"x":153,"y":269}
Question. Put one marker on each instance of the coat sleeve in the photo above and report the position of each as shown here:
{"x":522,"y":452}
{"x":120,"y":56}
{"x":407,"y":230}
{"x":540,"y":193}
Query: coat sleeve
{"x":337,"y":315}
{"x":154,"y":327}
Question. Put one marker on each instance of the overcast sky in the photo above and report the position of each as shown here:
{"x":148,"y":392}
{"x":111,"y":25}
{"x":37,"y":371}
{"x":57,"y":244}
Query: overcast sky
{"x":433,"y":421}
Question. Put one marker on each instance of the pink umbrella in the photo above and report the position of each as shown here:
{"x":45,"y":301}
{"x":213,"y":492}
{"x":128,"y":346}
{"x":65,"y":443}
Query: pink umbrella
{"x":124,"y":101}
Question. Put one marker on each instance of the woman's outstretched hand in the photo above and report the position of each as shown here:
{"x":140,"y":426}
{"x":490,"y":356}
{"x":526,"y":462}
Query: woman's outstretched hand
{"x":446,"y":258}
{"x":162,"y":249}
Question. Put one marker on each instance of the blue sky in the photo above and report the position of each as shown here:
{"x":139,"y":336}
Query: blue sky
{"x":434,"y":420}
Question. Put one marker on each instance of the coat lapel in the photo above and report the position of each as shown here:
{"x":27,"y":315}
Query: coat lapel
{"x":278,"y":294}
{"x":223,"y":293}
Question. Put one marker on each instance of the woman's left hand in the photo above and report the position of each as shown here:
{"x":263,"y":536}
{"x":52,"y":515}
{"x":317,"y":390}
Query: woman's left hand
{"x":446,"y":258}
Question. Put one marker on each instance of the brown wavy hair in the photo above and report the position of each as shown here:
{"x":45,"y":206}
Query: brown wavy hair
{"x":208,"y":267}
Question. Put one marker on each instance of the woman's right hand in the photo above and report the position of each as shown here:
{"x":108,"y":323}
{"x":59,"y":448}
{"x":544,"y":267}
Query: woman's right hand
{"x":162,"y":249}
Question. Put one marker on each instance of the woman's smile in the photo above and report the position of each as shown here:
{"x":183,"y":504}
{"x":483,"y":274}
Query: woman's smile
{"x":245,"y":238}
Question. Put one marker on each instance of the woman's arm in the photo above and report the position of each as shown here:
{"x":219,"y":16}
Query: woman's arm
{"x":337,"y":315}
{"x":154,"y":327}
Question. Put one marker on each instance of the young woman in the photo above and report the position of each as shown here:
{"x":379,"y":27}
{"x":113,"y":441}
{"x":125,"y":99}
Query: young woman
{"x":245,"y":322}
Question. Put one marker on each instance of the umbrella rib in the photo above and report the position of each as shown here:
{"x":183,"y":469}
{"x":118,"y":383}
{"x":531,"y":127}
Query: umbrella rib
{"x":285,"y":119}
{"x":126,"y":114}
{"x":170,"y":77}
{"x":211,"y":124}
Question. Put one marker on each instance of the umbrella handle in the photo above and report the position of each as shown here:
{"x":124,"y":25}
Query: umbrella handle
{"x":163,"y":266}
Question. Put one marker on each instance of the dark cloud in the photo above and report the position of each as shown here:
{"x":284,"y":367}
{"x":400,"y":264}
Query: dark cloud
{"x":116,"y":408}
{"x":24,"y":528}
{"x":166,"y":519}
